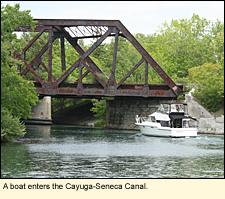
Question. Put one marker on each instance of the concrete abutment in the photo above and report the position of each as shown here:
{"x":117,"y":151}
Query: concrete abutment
{"x":41,"y":112}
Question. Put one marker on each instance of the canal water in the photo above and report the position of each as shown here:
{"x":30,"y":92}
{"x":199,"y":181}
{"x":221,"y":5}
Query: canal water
{"x":72,"y":152}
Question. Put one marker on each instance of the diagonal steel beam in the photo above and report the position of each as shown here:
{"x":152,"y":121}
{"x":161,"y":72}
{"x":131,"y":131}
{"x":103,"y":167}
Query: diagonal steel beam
{"x":130,"y":72}
{"x":70,"y":70}
{"x":45,"y":67}
{"x":85,"y":55}
{"x":80,"y":51}
{"x":33,"y":40}
{"x":84,"y":75}
{"x":41,"y":52}
{"x":95,"y":75}
{"x":96,"y":44}
{"x":33,"y":72}
{"x":149,"y":59}
{"x":90,"y":62}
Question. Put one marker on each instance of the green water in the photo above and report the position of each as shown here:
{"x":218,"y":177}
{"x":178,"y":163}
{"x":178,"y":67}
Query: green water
{"x":72,"y":152}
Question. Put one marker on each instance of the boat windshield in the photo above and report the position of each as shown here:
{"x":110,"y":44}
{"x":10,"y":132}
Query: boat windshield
{"x":151,"y":119}
{"x":174,"y":107}
{"x":177,"y":108}
{"x":164,"y":108}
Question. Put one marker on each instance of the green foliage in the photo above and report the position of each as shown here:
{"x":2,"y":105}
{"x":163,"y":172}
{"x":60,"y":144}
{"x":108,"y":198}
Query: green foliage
{"x":17,"y":94}
{"x":99,"y":108}
{"x":99,"y":123}
{"x":11,"y":17}
{"x":59,"y":104}
{"x":11,"y":126}
{"x":217,"y":44}
{"x":210,"y":81}
{"x":185,"y":43}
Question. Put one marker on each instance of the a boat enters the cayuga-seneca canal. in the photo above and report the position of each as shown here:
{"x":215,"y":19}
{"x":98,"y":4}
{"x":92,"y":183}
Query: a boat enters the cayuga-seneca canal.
{"x":170,"y":120}
{"x":72,"y":152}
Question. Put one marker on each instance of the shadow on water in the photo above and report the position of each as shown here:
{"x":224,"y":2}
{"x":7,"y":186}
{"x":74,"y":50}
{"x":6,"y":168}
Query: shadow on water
{"x":72,"y":152}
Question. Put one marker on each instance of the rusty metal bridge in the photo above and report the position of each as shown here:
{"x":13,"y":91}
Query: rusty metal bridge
{"x":73,"y":30}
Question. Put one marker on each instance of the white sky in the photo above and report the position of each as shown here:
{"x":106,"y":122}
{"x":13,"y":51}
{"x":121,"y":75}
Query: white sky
{"x":137,"y":16}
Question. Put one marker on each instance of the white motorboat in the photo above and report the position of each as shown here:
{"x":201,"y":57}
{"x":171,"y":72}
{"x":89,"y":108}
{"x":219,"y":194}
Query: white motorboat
{"x":170,"y":120}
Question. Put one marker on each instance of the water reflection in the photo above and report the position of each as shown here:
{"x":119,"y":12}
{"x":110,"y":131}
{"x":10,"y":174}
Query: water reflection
{"x":69,"y":152}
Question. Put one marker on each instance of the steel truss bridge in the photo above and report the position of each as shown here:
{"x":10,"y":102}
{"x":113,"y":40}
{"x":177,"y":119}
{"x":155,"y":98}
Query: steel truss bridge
{"x":73,"y":30}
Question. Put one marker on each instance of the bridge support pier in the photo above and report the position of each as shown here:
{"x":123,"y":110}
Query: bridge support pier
{"x":41,"y":113}
{"x":121,"y":112}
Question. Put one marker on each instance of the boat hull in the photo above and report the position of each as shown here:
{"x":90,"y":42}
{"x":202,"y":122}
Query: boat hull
{"x":166,"y":131}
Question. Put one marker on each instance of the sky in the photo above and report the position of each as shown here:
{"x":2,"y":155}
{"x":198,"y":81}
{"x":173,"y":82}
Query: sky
{"x":137,"y":16}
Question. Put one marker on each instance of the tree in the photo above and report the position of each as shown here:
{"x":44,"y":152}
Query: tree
{"x":10,"y":126}
{"x":17,"y":94}
{"x":99,"y":108}
{"x":218,"y":41}
{"x":185,"y":44}
{"x":210,"y":81}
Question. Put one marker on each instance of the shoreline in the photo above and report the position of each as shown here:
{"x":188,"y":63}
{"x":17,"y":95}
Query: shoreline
{"x":116,"y":129}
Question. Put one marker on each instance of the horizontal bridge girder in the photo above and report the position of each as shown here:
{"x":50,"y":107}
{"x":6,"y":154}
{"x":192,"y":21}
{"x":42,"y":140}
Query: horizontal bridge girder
{"x":76,"y":22}
{"x":129,"y":90}
{"x":102,"y":93}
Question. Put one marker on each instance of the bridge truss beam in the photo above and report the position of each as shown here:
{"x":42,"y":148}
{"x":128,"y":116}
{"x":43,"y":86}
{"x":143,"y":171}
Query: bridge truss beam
{"x":73,"y":30}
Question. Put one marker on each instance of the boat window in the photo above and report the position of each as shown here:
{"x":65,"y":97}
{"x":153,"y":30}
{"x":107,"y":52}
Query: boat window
{"x":149,"y":119}
{"x":166,"y":108}
{"x":185,"y":124}
{"x":177,"y":108}
{"x":153,"y":119}
{"x":173,"y":108}
{"x":181,"y":108}
{"x":164,"y":123}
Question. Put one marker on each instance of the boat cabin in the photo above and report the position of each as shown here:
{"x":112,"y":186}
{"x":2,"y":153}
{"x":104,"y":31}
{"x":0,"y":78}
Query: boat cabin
{"x":178,"y":114}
